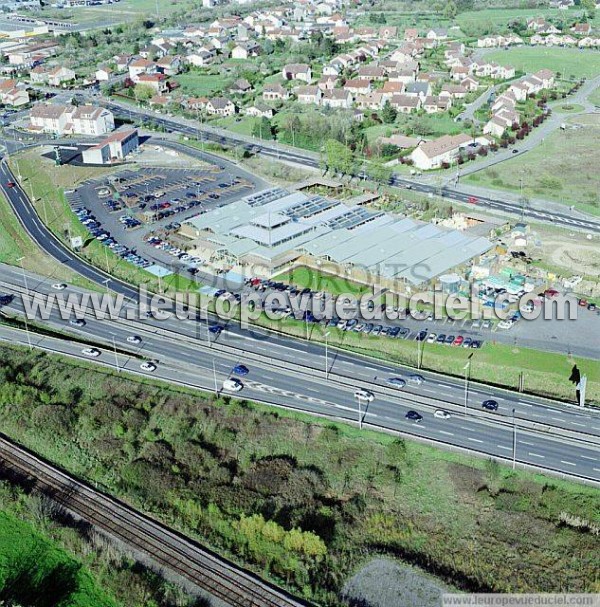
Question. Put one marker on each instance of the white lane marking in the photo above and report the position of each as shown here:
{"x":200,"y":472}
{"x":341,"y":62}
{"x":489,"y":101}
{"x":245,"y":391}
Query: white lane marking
{"x":524,"y":442}
{"x":475,"y":440}
{"x":502,"y":447}
{"x":578,"y":424}
{"x":525,"y":404}
{"x":536,"y":455}
{"x":446,"y":433}
{"x":567,"y":463}
{"x":596,"y":469}
{"x":557,"y":419}
{"x":593,"y":459}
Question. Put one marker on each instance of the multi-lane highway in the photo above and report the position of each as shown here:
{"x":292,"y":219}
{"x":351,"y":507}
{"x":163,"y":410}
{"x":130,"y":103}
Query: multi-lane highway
{"x":308,"y":159}
{"x":293,"y":374}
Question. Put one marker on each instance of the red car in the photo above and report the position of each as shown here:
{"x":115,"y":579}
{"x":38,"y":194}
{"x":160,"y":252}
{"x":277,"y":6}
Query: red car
{"x":10,"y":184}
{"x":583,"y":303}
{"x":472,"y":200}
{"x":550,"y":293}
{"x":458,"y":341}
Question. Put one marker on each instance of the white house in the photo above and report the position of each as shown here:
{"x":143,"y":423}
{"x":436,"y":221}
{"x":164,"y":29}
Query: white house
{"x":432,"y":154}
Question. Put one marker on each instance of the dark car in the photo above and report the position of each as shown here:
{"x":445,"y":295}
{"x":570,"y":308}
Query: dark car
{"x":6,"y":299}
{"x":215,"y":329}
{"x":393,"y":332}
{"x":414,"y":416}
{"x":240,"y":370}
{"x":421,"y":335}
{"x":490,"y":405}
{"x":449,"y":339}
{"x":10,"y":184}
{"x":476,"y":343}
{"x":441,"y":338}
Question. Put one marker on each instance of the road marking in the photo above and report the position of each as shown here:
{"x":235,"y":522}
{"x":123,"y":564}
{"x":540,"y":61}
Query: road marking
{"x":557,"y":419}
{"x":524,"y":442}
{"x":588,"y":457}
{"x":521,"y":402}
{"x":502,"y":447}
{"x":475,"y":440}
{"x":536,"y":455}
{"x":578,"y":424}
{"x":446,"y":433}
{"x":567,"y":463}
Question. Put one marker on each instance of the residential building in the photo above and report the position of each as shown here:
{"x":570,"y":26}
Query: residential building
{"x":445,"y":149}
{"x":297,"y":71}
{"x":60,"y":75}
{"x":275,"y":92}
{"x":220,"y":106}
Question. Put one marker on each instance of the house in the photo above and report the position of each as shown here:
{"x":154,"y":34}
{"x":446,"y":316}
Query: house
{"x":141,"y":66}
{"x":260,"y":110}
{"x":456,"y":91}
{"x":170,"y":65}
{"x":495,"y":126}
{"x":39,"y":75}
{"x":60,"y":75}
{"x":445,"y":149}
{"x":240,"y":87}
{"x":405,"y":104}
{"x":159,"y":100}
{"x":13,"y":94}
{"x":388,"y":32}
{"x":371,"y":72}
{"x":275,"y":92}
{"x":433,"y":104}
{"x":436,"y":33}
{"x":582,"y":29}
{"x":122,"y":62}
{"x":357,"y":86}
{"x":114,"y":148}
{"x":158,"y":82}
{"x":337,"y":98}
{"x":411,"y":34}
{"x":418,"y":89}
{"x":245,"y":50}
{"x":459,"y":72}
{"x":103,"y":74}
{"x":201,"y":58}
{"x":195,"y":103}
{"x":68,"y":119}
{"x":470,"y":83}
{"x":327,"y":83}
{"x":220,"y":106}
{"x":392,"y":87}
{"x":547,"y":78}
{"x":309,"y":95}
{"x":297,"y":71}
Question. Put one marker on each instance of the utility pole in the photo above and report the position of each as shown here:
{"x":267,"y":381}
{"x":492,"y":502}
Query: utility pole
{"x":326,"y":357}
{"x":215,"y":377}
{"x":467,"y":369}
{"x":359,"y":414}
{"x":514,"y":462}
{"x":116,"y":356}
{"x":20,"y":260}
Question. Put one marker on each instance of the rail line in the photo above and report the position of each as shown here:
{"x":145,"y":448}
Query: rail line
{"x":168,"y":548}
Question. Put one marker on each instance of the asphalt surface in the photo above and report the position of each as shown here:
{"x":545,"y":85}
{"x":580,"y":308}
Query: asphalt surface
{"x":293,"y":375}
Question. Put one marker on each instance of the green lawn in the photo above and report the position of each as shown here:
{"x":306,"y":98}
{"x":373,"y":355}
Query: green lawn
{"x":568,"y":61}
{"x":201,"y":85}
{"x":594,"y":96}
{"x":307,"y":277}
{"x":237,"y":124}
{"x":563,"y":168}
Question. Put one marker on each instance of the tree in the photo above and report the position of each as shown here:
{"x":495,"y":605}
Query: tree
{"x":590,"y":8}
{"x":262,"y":129}
{"x":450,"y":9}
{"x":143,"y":92}
{"x":389,"y":113}
{"x":338,"y":157}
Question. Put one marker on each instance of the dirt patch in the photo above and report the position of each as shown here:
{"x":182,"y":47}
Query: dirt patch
{"x":584,"y":257}
{"x":386,"y":583}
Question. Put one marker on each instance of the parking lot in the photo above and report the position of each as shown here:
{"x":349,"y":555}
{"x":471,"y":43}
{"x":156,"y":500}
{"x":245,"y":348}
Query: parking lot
{"x":134,"y":211}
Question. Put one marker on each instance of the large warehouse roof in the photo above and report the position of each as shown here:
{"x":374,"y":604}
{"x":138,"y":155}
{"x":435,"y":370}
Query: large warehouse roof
{"x":276,"y":224}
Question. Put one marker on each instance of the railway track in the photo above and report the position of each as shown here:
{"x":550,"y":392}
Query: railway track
{"x":213,"y":574}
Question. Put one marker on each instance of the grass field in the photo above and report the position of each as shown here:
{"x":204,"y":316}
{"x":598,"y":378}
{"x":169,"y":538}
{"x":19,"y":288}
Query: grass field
{"x":307,"y":277}
{"x":201,"y":85}
{"x":242,"y":125}
{"x":563,"y":168}
{"x":594,"y":96}
{"x":567,"y":61}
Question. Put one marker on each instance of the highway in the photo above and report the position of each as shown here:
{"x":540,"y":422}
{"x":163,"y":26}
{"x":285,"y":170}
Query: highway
{"x":305,"y":158}
{"x":292,"y":375}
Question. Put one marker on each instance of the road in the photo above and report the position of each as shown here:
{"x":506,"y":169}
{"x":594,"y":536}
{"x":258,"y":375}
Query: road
{"x":302,"y":376}
{"x":308,"y":159}
{"x":469,"y":111}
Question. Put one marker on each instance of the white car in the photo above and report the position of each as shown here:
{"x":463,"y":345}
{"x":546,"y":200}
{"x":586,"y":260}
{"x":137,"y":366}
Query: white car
{"x":93,"y":352}
{"x":59,"y":286}
{"x":362,"y":394}
{"x":441,"y":414}
{"x":505,"y":324}
{"x":416,"y":380}
{"x":147,"y":366}
{"x":134,"y":339}
{"x":232,"y":385}
{"x":431,"y":338}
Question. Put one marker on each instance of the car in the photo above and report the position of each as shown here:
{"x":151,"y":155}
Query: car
{"x":486,"y":324}
{"x":10,"y":184}
{"x":77,"y":322}
{"x":490,"y":405}
{"x":458,"y":341}
{"x":397,"y":382}
{"x":416,"y":379}
{"x":476,"y":344}
{"x":5,"y":299}
{"x":467,"y":342}
{"x":472,"y":200}
{"x":59,"y":286}
{"x":515,"y":151}
{"x":414,"y":416}
{"x":93,"y":352}
{"x":240,"y":370}
{"x":421,"y":335}
{"x":583,"y":303}
{"x":431,"y":338}
{"x":441,"y":414}
{"x":134,"y":339}
{"x":505,"y":324}
{"x":232,"y":385}
{"x":148,"y":366}
{"x":441,"y":338}
{"x":449,"y":339}
{"x":591,"y":307}
{"x":362,"y":394}
{"x":215,"y":329}
{"x":476,"y":323}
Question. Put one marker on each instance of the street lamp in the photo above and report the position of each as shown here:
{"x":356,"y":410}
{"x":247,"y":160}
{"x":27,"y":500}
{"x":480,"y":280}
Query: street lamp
{"x":116,"y":356}
{"x":359,"y":413}
{"x":327,"y":356}
{"x":467,"y":369}
{"x":20,"y":260}
{"x":215,"y":377}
